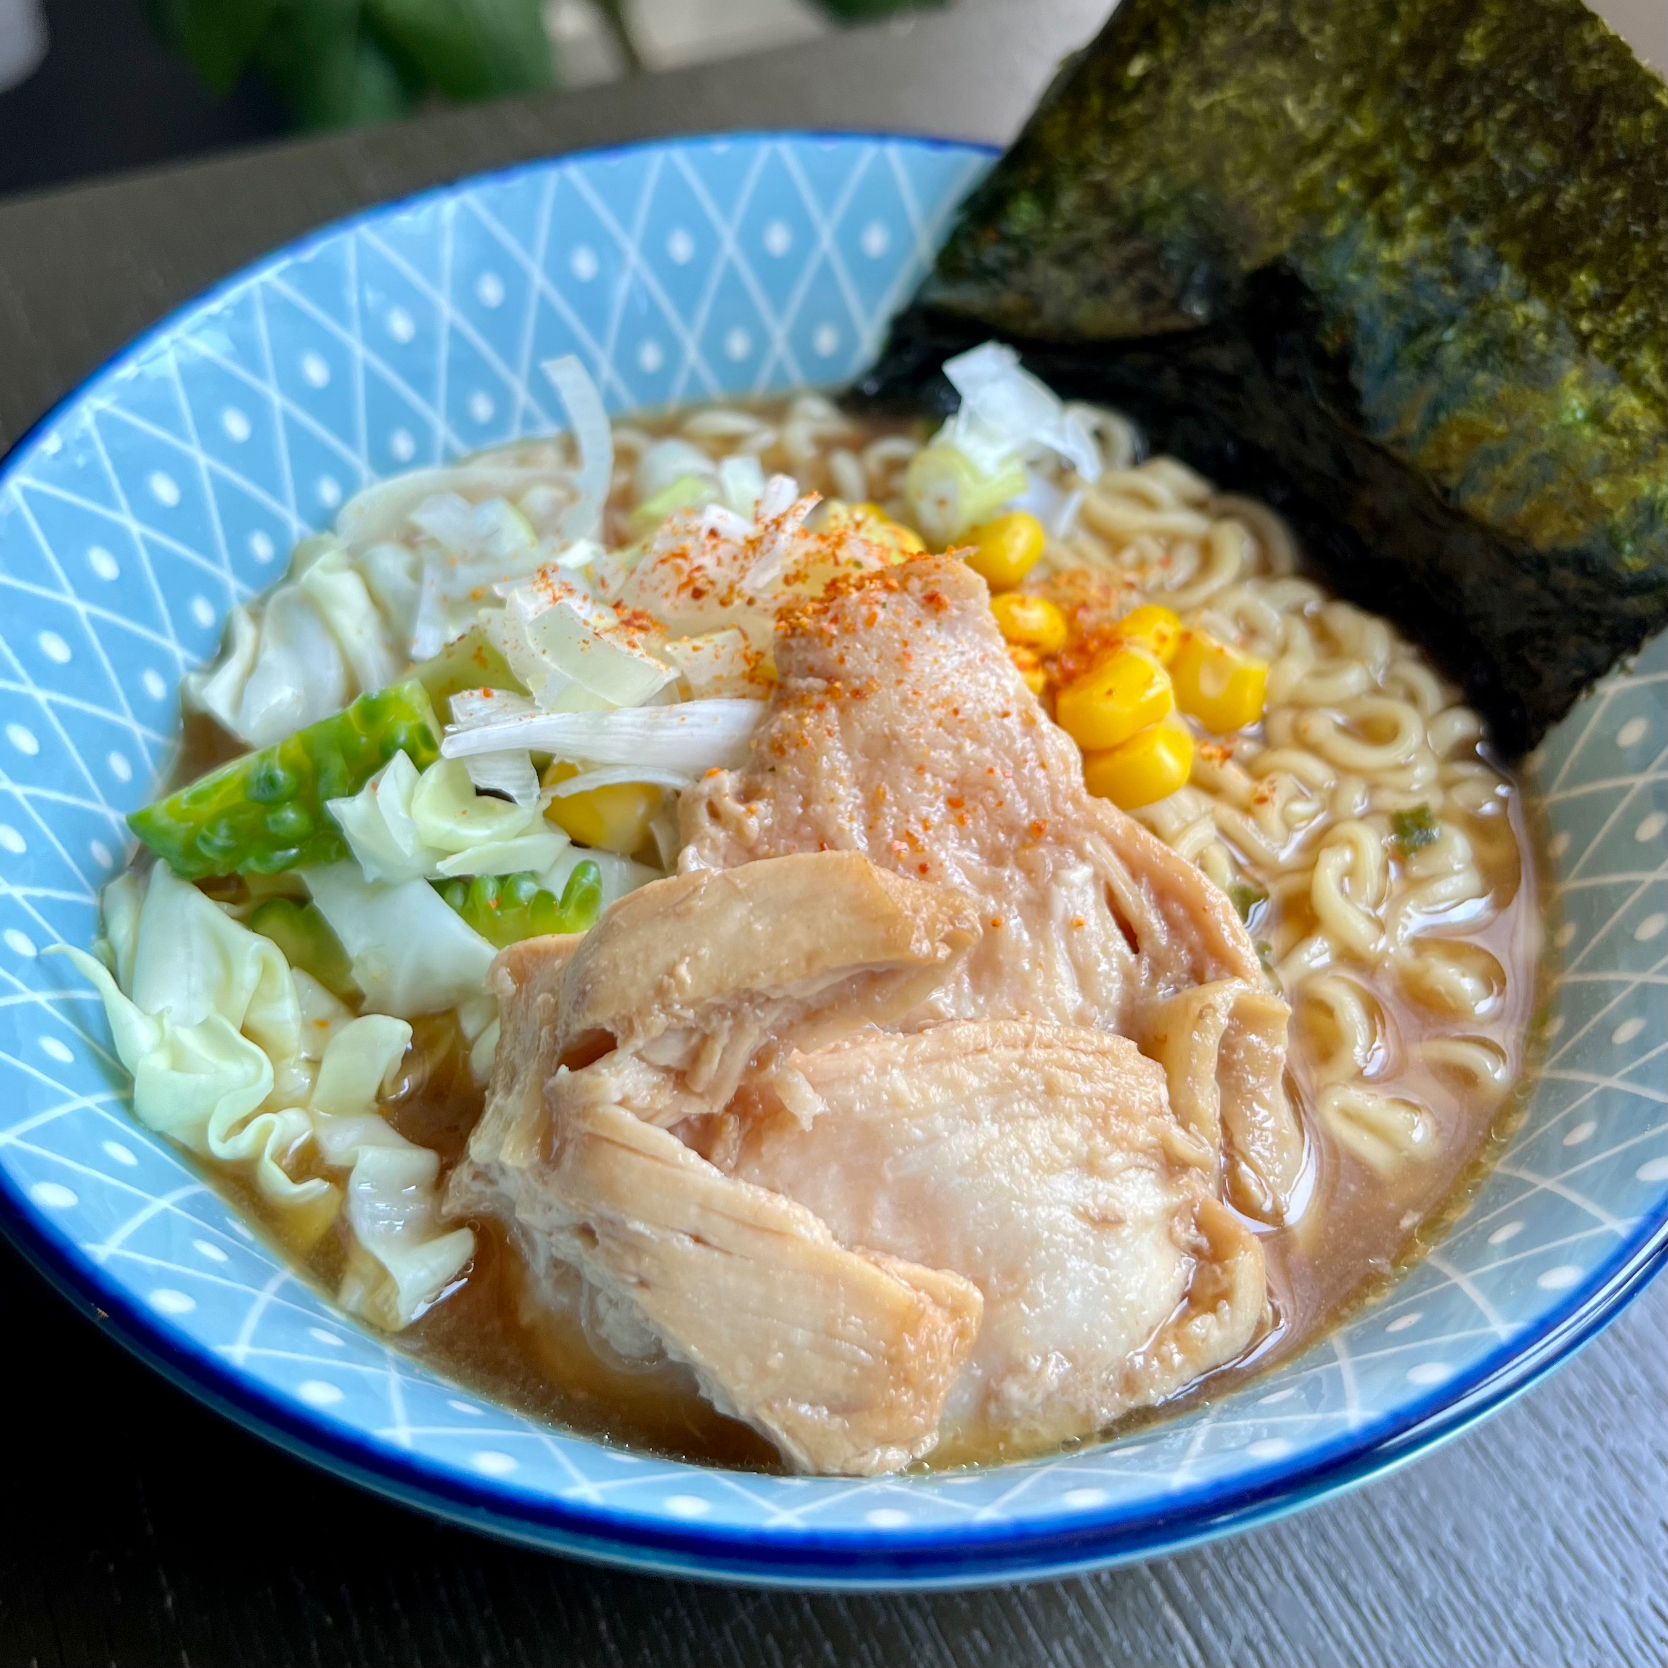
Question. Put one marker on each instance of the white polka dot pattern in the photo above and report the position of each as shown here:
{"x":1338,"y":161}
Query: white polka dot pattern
{"x":166,"y":492}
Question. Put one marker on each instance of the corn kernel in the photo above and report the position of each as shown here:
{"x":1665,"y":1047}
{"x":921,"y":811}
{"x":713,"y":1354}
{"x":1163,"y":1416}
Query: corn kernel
{"x":615,"y":818}
{"x":1126,"y":691}
{"x":1216,"y":683}
{"x":1030,"y":666}
{"x":1006,"y":549}
{"x":1031,"y":621}
{"x":1151,"y":765}
{"x":1154,"y":629}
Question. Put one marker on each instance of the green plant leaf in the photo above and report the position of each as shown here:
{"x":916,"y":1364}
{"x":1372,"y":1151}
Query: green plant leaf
{"x":329,"y":68}
{"x":217,"y":37}
{"x":1413,"y":830}
{"x":466,"y":48}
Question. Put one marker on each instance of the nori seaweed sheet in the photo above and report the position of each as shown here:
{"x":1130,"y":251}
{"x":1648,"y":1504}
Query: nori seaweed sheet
{"x":1399,"y":267}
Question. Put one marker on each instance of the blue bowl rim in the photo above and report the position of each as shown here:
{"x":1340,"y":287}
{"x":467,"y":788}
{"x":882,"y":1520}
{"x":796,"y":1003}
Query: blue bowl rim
{"x":946,"y":1556}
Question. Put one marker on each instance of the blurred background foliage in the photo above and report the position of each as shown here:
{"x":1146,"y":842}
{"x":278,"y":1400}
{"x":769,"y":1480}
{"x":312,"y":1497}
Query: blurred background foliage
{"x":336,"y":62}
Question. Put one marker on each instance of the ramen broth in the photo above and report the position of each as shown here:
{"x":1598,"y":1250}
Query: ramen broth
{"x":1441,"y":1030}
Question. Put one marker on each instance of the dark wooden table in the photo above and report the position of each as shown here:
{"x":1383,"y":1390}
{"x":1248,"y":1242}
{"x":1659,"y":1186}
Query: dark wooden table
{"x":137,"y":1529}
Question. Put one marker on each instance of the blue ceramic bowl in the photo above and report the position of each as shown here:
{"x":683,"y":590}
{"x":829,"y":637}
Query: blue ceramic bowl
{"x":172,"y":486}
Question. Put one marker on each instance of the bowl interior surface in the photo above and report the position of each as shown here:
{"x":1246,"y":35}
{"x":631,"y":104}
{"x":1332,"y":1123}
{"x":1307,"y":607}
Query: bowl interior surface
{"x":173,"y":486}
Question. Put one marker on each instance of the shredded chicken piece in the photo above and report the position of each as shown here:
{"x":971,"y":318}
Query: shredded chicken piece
{"x":1223,"y":1050}
{"x":700,"y":971}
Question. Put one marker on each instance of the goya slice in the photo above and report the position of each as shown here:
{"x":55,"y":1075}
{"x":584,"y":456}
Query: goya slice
{"x":504,"y":909}
{"x":302,"y":933}
{"x":265,"y":812}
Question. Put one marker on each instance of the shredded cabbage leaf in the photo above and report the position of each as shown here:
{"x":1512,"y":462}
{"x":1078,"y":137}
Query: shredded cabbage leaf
{"x":667,"y":462}
{"x":378,"y":825}
{"x":411,"y":952}
{"x":280,"y":672}
{"x":337,"y":590}
{"x":259,"y":1069}
{"x":381,"y":512}
{"x":594,"y":436}
{"x":404,"y":826}
{"x":411,"y":564}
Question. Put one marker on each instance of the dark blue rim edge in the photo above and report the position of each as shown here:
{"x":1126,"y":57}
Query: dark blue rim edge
{"x":955,"y":1556}
{"x":959,"y":1555}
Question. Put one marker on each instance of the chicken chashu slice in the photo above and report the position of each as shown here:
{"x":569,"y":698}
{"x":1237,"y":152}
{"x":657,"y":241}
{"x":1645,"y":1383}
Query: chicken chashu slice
{"x":1042,"y":1162}
{"x":899,"y":728}
{"x":712,"y":974}
{"x":842,"y":1356}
